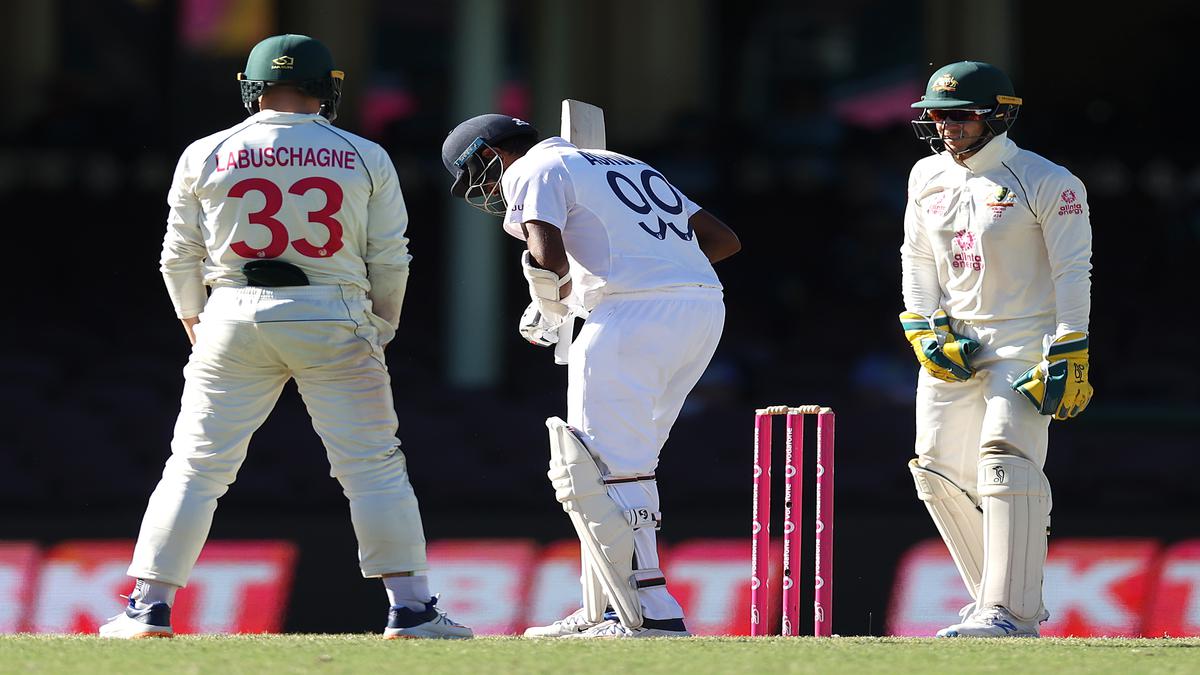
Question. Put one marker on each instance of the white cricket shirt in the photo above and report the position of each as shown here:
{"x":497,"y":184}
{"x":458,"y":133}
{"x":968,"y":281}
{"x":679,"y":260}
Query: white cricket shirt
{"x":1005,"y":237}
{"x":624,"y":226}
{"x":283,"y":186}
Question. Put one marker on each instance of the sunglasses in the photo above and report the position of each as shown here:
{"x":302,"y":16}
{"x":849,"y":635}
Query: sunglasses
{"x":956,"y":115}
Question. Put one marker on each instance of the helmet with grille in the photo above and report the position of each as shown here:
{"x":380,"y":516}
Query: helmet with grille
{"x":967,"y":86}
{"x":293,"y":60}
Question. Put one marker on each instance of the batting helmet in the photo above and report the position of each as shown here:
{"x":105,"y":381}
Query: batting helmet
{"x":295,"y":60}
{"x":462,"y":145}
{"x":968,"y":85}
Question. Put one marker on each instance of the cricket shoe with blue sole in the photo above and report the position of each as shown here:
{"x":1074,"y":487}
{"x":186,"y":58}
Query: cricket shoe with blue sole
{"x":140,"y":621}
{"x":431,"y":624}
{"x":995,"y":622}
{"x":650,"y":628}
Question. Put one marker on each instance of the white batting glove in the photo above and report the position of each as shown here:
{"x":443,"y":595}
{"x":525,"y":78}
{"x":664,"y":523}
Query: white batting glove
{"x":537,"y":328}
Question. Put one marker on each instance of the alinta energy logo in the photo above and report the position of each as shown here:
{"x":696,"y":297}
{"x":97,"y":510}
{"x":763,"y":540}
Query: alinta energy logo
{"x":965,"y":256}
{"x":937,"y":205}
{"x":283,"y":63}
{"x":1070,"y":204}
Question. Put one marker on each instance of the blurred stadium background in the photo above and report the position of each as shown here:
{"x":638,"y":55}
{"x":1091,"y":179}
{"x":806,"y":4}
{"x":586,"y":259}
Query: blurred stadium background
{"x":789,"y":120}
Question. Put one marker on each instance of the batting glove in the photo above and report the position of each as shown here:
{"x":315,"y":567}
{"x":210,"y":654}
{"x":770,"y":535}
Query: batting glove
{"x":536,"y":327}
{"x":1059,"y":384}
{"x":944,"y":354}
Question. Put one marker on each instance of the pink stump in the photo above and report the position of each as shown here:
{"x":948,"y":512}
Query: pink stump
{"x":823,"y":595}
{"x":760,"y":546}
{"x":793,"y":507}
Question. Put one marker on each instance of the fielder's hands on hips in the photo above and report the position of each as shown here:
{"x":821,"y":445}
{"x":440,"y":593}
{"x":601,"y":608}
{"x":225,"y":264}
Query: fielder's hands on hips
{"x":1059,"y":384}
{"x":944,"y":354}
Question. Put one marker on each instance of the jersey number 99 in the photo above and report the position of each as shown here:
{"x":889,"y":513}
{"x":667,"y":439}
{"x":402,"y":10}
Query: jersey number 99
{"x":620,"y":183}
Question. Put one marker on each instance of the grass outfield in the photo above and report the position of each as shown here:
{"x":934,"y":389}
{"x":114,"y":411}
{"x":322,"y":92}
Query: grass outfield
{"x":279,"y":654}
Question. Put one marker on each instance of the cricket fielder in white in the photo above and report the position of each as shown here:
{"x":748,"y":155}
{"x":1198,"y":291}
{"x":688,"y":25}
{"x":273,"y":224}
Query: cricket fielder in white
{"x":299,"y":228}
{"x":609,"y":238}
{"x":997,"y":291}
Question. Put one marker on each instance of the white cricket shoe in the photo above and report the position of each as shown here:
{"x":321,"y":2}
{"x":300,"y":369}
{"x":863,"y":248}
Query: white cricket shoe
{"x":574,"y":623}
{"x":994,"y":622}
{"x":140,"y":621}
{"x":432,"y":623}
{"x":651,"y":628}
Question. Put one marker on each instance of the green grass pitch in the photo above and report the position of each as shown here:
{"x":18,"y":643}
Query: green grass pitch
{"x":281,"y":654}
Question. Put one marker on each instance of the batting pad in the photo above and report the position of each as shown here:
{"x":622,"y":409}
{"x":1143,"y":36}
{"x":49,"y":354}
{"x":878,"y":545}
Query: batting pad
{"x":594,"y":600}
{"x":958,"y":520}
{"x":601,"y":524}
{"x":1016,"y":521}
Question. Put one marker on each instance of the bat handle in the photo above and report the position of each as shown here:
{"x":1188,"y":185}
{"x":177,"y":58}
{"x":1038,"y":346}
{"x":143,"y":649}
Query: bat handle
{"x":566,"y":334}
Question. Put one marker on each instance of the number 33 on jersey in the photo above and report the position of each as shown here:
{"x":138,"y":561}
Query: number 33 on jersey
{"x":286,"y":186}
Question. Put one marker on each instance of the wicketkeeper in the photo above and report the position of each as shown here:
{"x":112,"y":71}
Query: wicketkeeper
{"x":997,"y":292}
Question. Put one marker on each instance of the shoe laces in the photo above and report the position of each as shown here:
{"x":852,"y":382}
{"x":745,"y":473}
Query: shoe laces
{"x":442,"y":618}
{"x":992,"y":615}
{"x":441,"y":613}
{"x":966,"y":612}
{"x":576,"y":618}
{"x":609,"y":627}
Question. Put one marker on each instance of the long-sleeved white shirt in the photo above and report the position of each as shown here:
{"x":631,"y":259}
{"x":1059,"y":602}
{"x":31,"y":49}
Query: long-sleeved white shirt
{"x":1005,"y":237}
{"x":289,"y":187}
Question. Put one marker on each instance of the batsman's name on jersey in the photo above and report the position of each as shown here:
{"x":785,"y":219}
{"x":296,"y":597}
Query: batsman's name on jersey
{"x":612,"y":160}
{"x":284,"y":155}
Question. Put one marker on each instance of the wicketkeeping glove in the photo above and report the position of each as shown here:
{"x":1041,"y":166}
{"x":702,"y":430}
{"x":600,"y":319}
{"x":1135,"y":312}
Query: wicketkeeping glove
{"x":1059,"y":384}
{"x":944,"y":354}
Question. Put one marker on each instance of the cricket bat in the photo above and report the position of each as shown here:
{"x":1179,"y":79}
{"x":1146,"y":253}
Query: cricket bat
{"x":582,"y":124}
{"x":583,"y":127}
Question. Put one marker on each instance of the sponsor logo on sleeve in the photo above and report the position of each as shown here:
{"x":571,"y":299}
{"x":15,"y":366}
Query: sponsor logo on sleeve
{"x":1070,"y":204}
{"x":937,"y":205}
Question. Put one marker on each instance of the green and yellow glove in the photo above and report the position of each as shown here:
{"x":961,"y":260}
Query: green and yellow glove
{"x":1059,"y":384}
{"x":941,"y":352}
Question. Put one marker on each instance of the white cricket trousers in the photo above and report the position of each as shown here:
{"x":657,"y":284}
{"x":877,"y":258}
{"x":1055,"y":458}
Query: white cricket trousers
{"x":249,"y":342}
{"x":963,"y":424}
{"x":635,"y":361}
{"x":959,"y":422}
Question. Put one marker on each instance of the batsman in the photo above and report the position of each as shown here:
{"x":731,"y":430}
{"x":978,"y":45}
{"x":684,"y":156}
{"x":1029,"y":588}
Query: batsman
{"x":609,"y":238}
{"x":996,"y":276}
